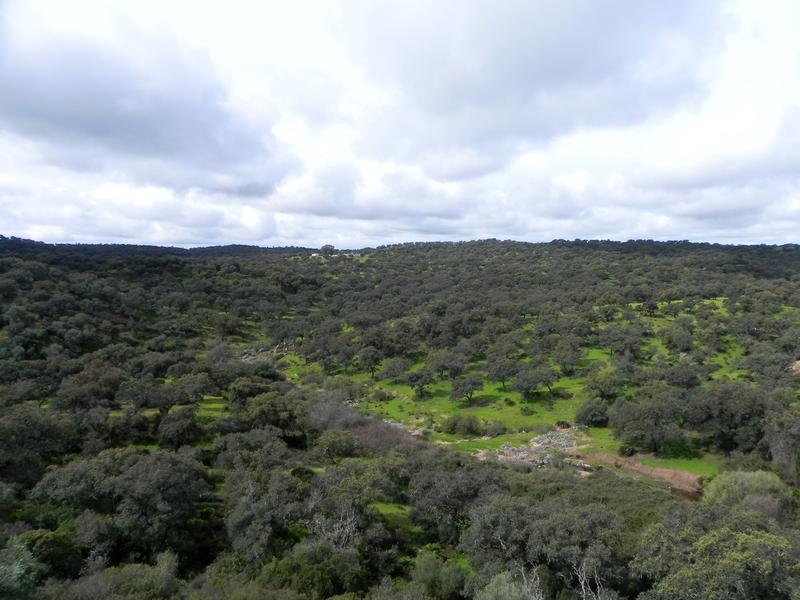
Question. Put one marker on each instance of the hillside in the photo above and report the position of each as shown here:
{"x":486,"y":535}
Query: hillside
{"x":286,"y":423}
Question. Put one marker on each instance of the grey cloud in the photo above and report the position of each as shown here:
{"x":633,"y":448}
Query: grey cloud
{"x":149,"y":108}
{"x":482,"y":118}
{"x":337,"y":191}
{"x":458,"y":163}
{"x":526,"y":71}
{"x":778,"y":163}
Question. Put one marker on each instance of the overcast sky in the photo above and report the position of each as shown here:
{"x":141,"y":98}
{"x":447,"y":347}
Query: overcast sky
{"x":366,"y":122}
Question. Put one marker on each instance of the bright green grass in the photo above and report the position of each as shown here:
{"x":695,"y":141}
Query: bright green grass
{"x":397,"y":516}
{"x":726,"y":360}
{"x":594,"y":354}
{"x":719,"y":305}
{"x":476,"y":444}
{"x":212,"y":408}
{"x":461,"y":559}
{"x":789,"y":308}
{"x":665,"y":303}
{"x":493,"y":403}
{"x":488,"y":405}
{"x":707,"y":464}
{"x":657,"y":324}
{"x":655,"y":348}
{"x":295,"y":367}
{"x":601,"y":439}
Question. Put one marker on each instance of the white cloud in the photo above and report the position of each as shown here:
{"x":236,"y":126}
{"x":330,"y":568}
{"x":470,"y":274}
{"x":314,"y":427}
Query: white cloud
{"x":361,"y":123}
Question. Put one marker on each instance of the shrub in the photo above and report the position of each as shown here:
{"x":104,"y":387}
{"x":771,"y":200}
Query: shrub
{"x":338,"y":444}
{"x":495,"y":428}
{"x":469,"y":426}
{"x":593,"y":413}
{"x":627,"y":450}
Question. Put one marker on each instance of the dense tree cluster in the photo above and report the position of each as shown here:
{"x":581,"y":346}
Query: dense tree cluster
{"x":159,"y":438}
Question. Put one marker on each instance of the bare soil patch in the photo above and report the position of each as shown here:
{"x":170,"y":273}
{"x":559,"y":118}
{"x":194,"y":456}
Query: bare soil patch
{"x":683,"y":481}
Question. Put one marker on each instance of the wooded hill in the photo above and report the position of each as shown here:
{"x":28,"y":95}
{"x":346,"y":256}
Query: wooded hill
{"x":234,"y":422}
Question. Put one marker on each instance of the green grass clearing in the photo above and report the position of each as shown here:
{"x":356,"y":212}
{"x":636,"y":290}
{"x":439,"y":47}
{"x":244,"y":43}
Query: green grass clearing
{"x":707,"y":464}
{"x":397,"y":516}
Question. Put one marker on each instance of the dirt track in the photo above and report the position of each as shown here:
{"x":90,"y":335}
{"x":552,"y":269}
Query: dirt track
{"x":682,"y":481}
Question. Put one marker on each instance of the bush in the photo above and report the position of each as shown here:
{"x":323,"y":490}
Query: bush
{"x":394,"y":369}
{"x":627,"y":450}
{"x":338,"y":444}
{"x":734,"y":487}
{"x":381,"y":395}
{"x":593,"y":413}
{"x":319,"y":571}
{"x":179,"y":428}
{"x":468,"y":426}
{"x":55,"y":549}
{"x":495,"y":428}
{"x":442,"y":579}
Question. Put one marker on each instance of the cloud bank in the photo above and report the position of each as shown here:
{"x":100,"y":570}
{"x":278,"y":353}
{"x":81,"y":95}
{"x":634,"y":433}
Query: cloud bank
{"x":362,"y":123}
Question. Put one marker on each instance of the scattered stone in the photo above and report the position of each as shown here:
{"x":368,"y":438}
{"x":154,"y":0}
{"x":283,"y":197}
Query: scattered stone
{"x":540,"y":451}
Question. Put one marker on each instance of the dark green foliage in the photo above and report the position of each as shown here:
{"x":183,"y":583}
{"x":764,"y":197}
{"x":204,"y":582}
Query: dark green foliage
{"x":441,"y":579}
{"x":465,"y":387}
{"x":150,"y":498}
{"x":720,"y":563}
{"x":128,"y":582}
{"x":262,"y":507}
{"x":445,"y":363}
{"x":730,"y":414}
{"x":513,"y":532}
{"x":653,"y":422}
{"x":250,"y":451}
{"x":368,"y":359}
{"x":529,"y":379}
{"x":243,"y":389}
{"x":30,"y":437}
{"x":441,"y":499}
{"x":782,"y":435}
{"x":418,"y":380}
{"x":277,"y":410}
{"x":462,"y":425}
{"x":57,"y":550}
{"x":319,"y":571}
{"x":333,"y":444}
{"x":567,"y":353}
{"x":495,"y":428}
{"x":593,"y":413}
{"x":605,"y":382}
{"x":395,"y":368}
{"x":19,"y":571}
{"x":501,"y":370}
{"x":179,"y":428}
{"x":253,"y":363}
